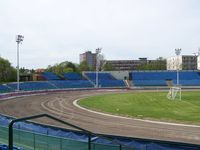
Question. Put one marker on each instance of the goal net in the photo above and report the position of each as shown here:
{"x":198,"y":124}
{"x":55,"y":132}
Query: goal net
{"x":174,"y":93}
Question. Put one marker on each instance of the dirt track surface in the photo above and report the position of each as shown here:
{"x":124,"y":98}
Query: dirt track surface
{"x":61,"y":105}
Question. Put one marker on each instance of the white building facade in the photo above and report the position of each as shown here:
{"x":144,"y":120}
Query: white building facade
{"x":183,"y":62}
{"x":89,"y":57}
{"x":198,"y":62}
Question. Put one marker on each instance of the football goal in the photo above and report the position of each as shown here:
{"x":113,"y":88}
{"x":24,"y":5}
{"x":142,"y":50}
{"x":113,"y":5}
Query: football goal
{"x":174,"y":93}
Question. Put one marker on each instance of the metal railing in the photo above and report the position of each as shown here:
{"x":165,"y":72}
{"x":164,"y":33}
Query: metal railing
{"x":89,"y":133}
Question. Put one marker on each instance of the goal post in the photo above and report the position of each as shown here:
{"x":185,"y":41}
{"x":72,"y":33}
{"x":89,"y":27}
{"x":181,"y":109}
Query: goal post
{"x":174,"y":93}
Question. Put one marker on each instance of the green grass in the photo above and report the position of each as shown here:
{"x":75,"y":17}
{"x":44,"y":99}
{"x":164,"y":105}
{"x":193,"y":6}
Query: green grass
{"x":148,"y":105}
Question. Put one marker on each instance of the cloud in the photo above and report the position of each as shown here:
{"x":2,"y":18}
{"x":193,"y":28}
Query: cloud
{"x":60,"y":30}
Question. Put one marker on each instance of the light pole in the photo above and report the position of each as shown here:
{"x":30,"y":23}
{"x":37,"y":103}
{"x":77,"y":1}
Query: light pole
{"x":19,"y":39}
{"x":177,"y":52}
{"x":98,"y":51}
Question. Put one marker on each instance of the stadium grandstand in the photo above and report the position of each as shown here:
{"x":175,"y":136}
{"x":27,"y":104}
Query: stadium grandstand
{"x":30,"y":135}
{"x":5,"y":89}
{"x":69,"y":80}
{"x":105,"y":80}
{"x":62,"y":84}
{"x":73,"y":76}
{"x":164,"y":78}
{"x":50,"y":76}
{"x":29,"y":86}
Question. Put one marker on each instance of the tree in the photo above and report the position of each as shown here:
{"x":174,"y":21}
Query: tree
{"x":24,"y":71}
{"x":7,"y":72}
{"x":158,"y":64}
{"x":84,"y":66}
{"x":108,"y":67}
{"x":161,"y":63}
{"x":63,"y":67}
{"x":68,"y":65}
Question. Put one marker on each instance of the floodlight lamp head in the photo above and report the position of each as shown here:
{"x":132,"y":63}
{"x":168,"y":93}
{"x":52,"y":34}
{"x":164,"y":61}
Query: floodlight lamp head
{"x":19,"y":38}
{"x":178,"y":51}
{"x":98,"y":50}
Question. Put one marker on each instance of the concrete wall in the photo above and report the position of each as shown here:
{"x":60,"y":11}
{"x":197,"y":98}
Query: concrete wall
{"x":117,"y":74}
{"x":174,"y":62}
{"x":120,"y":74}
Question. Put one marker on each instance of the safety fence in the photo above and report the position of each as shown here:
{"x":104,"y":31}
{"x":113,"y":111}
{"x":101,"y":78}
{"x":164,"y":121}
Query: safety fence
{"x":35,"y":141}
{"x":33,"y":136}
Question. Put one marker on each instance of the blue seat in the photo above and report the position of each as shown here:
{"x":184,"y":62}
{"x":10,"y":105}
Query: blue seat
{"x":150,"y":83}
{"x":50,"y":76}
{"x":73,"y":76}
{"x":159,"y":78}
{"x":62,"y":84}
{"x":193,"y":82}
{"x":5,"y":147}
{"x":4,"y":89}
{"x":153,"y":75}
{"x":111,"y":83}
{"x":30,"y":86}
{"x":105,"y":80}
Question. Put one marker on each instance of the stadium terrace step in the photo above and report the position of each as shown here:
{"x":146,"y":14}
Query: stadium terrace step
{"x":30,"y":86}
{"x":159,"y":78}
{"x":5,"y":147}
{"x":50,"y":76}
{"x":5,"y":89}
{"x":73,"y":76}
{"x":62,"y":84}
{"x":105,"y":80}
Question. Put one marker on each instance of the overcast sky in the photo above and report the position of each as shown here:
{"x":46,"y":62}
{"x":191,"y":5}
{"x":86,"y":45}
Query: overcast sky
{"x":59,"y":30}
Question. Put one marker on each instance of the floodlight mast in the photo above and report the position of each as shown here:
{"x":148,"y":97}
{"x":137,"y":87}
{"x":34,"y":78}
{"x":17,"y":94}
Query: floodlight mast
{"x":98,"y":51}
{"x":19,"y":39}
{"x":177,"y":52}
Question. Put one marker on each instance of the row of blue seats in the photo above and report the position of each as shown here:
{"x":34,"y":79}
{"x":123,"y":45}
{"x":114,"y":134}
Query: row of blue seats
{"x":189,"y":75}
{"x":29,"y":86}
{"x":5,"y":147}
{"x":194,"y":82}
{"x":68,"y":76}
{"x":53,"y":84}
{"x":59,"y":84}
{"x":73,"y":76}
{"x":87,"y":84}
{"x":50,"y":76}
{"x":111,"y":83}
{"x":156,"y":78}
{"x":72,"y":84}
{"x":5,"y":89}
{"x":105,"y":80}
{"x":149,"y":83}
{"x":156,"y":75}
{"x":153,"y":75}
{"x":101,"y":76}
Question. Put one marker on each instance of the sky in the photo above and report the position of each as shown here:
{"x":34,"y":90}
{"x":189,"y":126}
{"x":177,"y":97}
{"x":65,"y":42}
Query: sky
{"x":59,"y":30}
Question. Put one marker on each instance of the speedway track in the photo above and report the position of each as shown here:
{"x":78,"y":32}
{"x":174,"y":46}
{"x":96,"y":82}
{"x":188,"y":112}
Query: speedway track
{"x":61,"y":105}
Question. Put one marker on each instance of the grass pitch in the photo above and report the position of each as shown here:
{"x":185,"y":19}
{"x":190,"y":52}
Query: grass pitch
{"x":148,"y":105}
